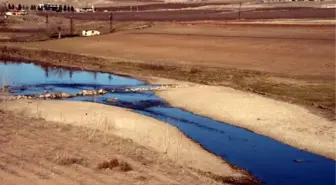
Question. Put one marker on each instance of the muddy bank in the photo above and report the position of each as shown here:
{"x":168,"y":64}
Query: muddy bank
{"x":143,"y":130}
{"x":288,"y":123}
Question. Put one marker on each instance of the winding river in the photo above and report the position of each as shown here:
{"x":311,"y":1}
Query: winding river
{"x":271,"y":161}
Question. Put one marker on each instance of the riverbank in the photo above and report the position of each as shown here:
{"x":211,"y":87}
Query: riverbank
{"x":148,"y":132}
{"x":35,"y":151}
{"x":320,"y":100}
{"x":288,"y":123}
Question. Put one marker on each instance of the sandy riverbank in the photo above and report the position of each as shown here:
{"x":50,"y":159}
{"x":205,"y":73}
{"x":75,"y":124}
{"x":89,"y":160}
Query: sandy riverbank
{"x":124,"y":123}
{"x":288,"y":123}
{"x":35,"y":151}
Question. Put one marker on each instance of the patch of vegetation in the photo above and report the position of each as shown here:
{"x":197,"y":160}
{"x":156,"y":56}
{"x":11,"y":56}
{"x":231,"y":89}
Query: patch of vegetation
{"x":115,"y":163}
{"x":69,"y":160}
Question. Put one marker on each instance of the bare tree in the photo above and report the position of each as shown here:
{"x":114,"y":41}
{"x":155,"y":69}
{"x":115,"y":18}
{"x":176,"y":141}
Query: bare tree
{"x":3,"y":10}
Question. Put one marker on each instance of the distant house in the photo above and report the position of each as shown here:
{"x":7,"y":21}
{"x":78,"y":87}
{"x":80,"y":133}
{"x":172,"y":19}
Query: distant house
{"x":9,"y":13}
{"x":15,"y":13}
{"x":86,"y":9}
{"x":89,"y":33}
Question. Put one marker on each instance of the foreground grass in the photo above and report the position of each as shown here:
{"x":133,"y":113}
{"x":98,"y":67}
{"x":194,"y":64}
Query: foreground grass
{"x":78,"y":151}
{"x":316,"y":95}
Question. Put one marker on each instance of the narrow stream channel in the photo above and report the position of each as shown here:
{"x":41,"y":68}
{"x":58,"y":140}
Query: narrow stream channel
{"x":269,"y":160}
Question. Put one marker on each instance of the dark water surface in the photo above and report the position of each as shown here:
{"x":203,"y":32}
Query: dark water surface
{"x":269,"y":160}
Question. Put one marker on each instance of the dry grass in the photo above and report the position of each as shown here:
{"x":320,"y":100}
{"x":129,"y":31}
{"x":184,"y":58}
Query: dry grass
{"x":115,"y":163}
{"x":68,"y":145}
{"x":108,"y":164}
{"x":67,"y":160}
{"x":125,"y":167}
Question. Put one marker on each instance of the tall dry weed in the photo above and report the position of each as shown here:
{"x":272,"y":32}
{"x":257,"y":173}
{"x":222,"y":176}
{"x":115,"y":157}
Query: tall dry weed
{"x":4,"y":92}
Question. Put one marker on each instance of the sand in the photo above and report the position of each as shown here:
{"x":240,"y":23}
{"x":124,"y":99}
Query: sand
{"x":288,"y":123}
{"x":143,"y":130}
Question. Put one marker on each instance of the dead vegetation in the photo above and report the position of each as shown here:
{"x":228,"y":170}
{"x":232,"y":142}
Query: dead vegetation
{"x":115,"y":163}
{"x":68,"y":160}
{"x":70,"y":153}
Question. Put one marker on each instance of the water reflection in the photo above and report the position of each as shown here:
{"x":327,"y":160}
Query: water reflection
{"x":18,"y":74}
{"x":57,"y":72}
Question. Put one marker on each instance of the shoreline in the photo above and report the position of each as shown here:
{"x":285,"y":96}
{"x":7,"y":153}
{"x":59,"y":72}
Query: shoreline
{"x":141,"y":129}
{"x":186,"y":74}
{"x":290,"y":124}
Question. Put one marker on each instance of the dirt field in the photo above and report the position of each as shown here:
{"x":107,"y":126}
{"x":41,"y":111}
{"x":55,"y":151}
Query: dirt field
{"x":80,"y":155}
{"x":289,"y":51}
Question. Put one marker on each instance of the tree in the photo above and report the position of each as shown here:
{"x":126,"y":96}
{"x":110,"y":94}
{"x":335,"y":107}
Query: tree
{"x":59,"y":9}
{"x":72,"y":9}
{"x":64,"y":8}
{"x":19,"y":7}
{"x":3,"y":10}
{"x":9,"y":6}
{"x":68,"y":8}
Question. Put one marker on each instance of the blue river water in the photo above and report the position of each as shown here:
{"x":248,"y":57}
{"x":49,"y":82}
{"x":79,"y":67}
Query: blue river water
{"x":271,"y":161}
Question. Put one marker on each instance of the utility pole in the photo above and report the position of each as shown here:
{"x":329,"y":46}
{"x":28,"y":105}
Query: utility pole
{"x":111,"y":22}
{"x":47,"y":21}
{"x":71,"y":26}
{"x":59,"y":32}
{"x":240,"y":3}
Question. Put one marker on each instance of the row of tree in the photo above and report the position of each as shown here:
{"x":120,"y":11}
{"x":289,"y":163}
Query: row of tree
{"x":59,"y":8}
